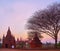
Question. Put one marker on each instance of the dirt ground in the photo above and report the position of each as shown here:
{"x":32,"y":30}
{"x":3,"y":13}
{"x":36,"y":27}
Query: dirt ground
{"x":26,"y":50}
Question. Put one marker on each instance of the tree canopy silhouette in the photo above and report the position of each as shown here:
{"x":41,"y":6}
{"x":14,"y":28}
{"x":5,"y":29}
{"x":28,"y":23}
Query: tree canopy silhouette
{"x":46,"y":21}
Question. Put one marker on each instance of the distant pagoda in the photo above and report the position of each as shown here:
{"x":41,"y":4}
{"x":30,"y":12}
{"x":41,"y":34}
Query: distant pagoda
{"x":9,"y":40}
{"x":36,"y":43}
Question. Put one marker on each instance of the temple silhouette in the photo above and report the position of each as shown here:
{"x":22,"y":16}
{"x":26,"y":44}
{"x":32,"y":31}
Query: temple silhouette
{"x":36,"y":43}
{"x":9,"y":40}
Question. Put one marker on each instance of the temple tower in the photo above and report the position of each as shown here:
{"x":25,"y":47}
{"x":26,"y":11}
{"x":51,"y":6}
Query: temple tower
{"x":9,"y":40}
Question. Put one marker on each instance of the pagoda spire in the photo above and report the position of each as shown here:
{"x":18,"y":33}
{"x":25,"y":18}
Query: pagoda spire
{"x":9,"y":31}
{"x":8,"y":28}
{"x":3,"y":36}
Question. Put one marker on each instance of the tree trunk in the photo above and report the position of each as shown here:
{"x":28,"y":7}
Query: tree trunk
{"x":56,"y":41}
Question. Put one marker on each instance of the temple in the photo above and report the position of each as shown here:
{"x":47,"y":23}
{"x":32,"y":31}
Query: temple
{"x":9,"y":40}
{"x":36,"y":43}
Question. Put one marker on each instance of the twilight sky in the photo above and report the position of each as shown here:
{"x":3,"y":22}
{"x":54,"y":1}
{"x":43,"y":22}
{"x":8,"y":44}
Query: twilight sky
{"x":15,"y":13}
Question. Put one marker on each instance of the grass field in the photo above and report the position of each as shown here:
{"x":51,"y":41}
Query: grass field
{"x":27,"y":50}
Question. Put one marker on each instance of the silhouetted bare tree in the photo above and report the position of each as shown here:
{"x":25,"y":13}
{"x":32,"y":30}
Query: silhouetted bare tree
{"x":46,"y":21}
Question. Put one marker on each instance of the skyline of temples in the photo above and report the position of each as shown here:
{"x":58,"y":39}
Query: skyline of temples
{"x":25,"y":37}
